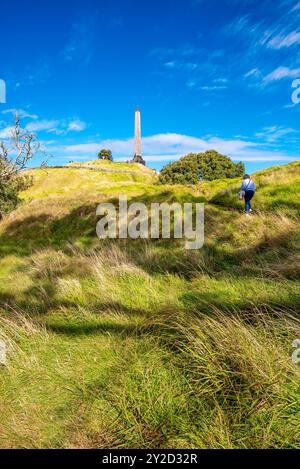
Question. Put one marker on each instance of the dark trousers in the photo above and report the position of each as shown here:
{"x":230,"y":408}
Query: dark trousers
{"x":248,"y":196}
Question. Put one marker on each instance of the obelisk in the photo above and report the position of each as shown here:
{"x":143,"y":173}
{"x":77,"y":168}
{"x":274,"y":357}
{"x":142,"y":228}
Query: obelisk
{"x":138,"y":138}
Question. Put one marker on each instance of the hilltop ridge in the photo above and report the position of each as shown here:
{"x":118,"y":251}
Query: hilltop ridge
{"x":114,"y":165}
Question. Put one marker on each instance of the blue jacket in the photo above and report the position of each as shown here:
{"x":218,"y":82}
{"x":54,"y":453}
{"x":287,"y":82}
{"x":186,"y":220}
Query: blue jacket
{"x":248,"y":185}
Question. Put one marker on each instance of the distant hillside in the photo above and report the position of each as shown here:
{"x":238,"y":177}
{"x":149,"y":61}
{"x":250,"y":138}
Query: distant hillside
{"x":84,"y":183}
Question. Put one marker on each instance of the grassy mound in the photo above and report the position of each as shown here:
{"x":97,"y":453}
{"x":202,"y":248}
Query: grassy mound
{"x":137,"y":343}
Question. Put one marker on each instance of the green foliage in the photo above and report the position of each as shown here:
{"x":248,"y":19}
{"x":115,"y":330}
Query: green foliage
{"x":9,"y":192}
{"x":195,"y":167}
{"x":105,"y":155}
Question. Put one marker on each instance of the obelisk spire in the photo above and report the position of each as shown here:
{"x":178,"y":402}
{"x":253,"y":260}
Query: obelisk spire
{"x":137,"y":138}
{"x":137,"y":133}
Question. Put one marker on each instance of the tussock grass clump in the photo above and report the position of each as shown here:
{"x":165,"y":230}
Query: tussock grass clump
{"x":240,"y":372}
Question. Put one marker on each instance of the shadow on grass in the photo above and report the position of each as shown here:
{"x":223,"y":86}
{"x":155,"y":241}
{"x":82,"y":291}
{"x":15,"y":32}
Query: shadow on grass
{"x":209,"y":301}
{"x":87,"y":328}
{"x":22,"y":237}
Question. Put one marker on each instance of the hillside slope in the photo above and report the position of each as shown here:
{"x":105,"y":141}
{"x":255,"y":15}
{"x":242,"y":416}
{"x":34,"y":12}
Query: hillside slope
{"x":136,"y":343}
{"x":278,"y":190}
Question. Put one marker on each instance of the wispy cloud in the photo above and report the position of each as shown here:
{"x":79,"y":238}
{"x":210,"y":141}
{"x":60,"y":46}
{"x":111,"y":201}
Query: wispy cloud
{"x":47,"y":125}
{"x":80,"y":44}
{"x":279,"y":33}
{"x":217,"y":84}
{"x":296,"y":7}
{"x":22,"y":114}
{"x":281,"y":73}
{"x":58,"y":127}
{"x":5,"y":132}
{"x":274,"y":133}
{"x":254,"y":72}
{"x":284,"y":40}
{"x":267,"y":40}
{"x":181,"y":65}
{"x":76,"y":126}
{"x":213,"y":87}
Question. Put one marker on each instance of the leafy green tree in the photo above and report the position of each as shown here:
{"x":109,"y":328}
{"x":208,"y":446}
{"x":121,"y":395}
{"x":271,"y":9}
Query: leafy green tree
{"x":105,"y":155}
{"x":197,"y":167}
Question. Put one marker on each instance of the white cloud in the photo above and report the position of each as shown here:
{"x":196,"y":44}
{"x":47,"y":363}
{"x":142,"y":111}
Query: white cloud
{"x":282,"y":72}
{"x":5,"y":133}
{"x":218,"y":84}
{"x":58,"y":127}
{"x":213,"y":87}
{"x":42,"y":125}
{"x":171,"y":64}
{"x":187,"y":66}
{"x":22,"y":114}
{"x":171,"y":146}
{"x":220,"y":80}
{"x":274,"y":133}
{"x":254,"y":72}
{"x":76,"y":126}
{"x":284,"y":40}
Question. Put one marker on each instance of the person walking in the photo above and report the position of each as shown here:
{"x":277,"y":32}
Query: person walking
{"x":247,"y":192}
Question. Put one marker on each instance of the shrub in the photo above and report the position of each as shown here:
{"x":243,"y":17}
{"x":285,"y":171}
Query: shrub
{"x":9,"y":192}
{"x":200,"y":166}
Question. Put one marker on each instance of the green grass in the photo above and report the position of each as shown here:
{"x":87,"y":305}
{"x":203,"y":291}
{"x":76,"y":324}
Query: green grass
{"x":135,"y":344}
{"x":117,"y":165}
{"x":278,"y":190}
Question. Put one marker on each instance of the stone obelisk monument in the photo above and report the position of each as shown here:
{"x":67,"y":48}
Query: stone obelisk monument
{"x":138,"y":139}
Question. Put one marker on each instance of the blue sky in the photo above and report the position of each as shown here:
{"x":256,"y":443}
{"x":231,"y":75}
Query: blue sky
{"x":205,"y":73}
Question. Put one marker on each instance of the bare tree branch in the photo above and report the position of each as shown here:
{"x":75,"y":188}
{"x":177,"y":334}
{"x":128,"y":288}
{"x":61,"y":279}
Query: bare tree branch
{"x":23,"y":147}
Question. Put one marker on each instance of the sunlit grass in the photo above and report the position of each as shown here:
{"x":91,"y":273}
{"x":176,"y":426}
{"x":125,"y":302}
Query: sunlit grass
{"x":142,"y":343}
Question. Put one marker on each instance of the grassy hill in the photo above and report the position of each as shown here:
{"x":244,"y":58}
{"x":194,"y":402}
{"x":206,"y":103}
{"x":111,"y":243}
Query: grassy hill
{"x":136,"y":343}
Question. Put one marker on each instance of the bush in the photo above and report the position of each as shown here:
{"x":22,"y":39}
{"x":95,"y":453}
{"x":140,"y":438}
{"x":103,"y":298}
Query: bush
{"x":9,"y":192}
{"x":197,"y":167}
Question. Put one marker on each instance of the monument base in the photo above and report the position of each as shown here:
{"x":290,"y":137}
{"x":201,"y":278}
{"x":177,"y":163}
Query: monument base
{"x":138,"y":159}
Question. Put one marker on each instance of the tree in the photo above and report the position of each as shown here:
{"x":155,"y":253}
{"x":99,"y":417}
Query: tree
{"x":197,"y":167}
{"x":20,"y":147}
{"x":9,"y":192}
{"x":105,"y":155}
